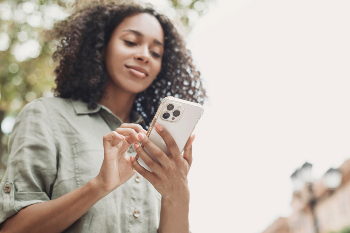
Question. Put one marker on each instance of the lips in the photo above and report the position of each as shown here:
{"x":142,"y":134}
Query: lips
{"x":137,"y":71}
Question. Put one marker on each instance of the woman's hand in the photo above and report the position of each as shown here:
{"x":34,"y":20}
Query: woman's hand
{"x":169,"y":176}
{"x":116,"y":168}
{"x":130,"y":131}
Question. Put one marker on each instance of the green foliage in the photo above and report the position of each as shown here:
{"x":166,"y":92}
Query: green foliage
{"x":190,"y":10}
{"x":344,"y":230}
{"x":26,"y":70}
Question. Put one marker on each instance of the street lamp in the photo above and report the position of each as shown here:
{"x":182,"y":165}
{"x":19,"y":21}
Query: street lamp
{"x":306,"y":173}
{"x":332,"y":179}
{"x":297,"y":183}
{"x":303,"y":176}
{"x":306,"y":176}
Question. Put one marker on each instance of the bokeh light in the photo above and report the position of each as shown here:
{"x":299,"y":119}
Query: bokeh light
{"x":23,"y":51}
{"x":7,"y":124}
{"x":5,"y":11}
{"x":4,"y":41}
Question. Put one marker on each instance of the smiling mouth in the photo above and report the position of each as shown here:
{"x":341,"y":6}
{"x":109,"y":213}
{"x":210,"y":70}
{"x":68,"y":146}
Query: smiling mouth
{"x":137,"y":71}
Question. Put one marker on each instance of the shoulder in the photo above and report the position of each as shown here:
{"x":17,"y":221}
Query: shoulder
{"x":49,"y":104}
{"x":53,"y":102}
{"x":45,"y":107}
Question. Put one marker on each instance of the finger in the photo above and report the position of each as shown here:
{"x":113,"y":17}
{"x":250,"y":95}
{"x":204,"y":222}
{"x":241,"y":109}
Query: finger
{"x":119,"y":141}
{"x":112,"y":139}
{"x":188,"y":150}
{"x":138,"y":128}
{"x":150,"y":176}
{"x":130,"y":134}
{"x":156,"y":167}
{"x":155,"y":150}
{"x":169,"y":141}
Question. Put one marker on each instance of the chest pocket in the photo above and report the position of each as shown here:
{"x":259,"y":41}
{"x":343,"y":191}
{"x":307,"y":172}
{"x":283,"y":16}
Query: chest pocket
{"x":88,"y":158}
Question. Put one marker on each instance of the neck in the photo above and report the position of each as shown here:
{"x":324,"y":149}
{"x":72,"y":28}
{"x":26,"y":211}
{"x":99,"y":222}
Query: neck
{"x":118,"y":101}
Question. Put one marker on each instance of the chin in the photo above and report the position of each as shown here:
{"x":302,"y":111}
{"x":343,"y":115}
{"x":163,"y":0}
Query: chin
{"x":135,"y":86}
{"x":132,"y":85}
{"x":135,"y":89}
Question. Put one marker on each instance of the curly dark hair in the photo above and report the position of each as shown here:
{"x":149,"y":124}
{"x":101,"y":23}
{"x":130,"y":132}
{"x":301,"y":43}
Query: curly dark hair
{"x":81,"y":73}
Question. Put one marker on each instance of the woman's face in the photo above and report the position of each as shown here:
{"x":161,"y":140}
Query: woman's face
{"x":133,"y":56}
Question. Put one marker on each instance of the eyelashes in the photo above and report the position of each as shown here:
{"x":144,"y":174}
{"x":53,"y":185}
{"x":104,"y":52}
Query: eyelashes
{"x":156,"y":54}
{"x":131,"y":44}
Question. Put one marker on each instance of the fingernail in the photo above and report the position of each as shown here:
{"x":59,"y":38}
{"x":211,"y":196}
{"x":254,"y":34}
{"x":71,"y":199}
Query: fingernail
{"x":144,"y":131}
{"x":132,"y":159}
{"x":158,"y":127}
{"x":141,"y":136}
{"x":136,"y":145}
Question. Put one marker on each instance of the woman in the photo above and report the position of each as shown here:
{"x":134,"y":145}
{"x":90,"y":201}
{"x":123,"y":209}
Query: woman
{"x":67,"y":172}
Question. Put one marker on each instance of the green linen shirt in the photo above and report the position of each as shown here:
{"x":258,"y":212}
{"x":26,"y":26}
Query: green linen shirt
{"x":56,"y":146}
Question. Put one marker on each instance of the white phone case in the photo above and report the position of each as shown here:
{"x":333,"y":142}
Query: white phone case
{"x":180,"y":127}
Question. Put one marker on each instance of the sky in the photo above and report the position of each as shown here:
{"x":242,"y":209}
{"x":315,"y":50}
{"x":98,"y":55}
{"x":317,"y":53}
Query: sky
{"x":277,"y":75}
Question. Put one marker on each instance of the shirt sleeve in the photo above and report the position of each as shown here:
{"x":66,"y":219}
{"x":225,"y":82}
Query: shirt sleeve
{"x":32,"y":164}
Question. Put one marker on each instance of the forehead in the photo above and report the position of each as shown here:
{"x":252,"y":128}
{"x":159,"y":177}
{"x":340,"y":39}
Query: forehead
{"x":145,"y":23}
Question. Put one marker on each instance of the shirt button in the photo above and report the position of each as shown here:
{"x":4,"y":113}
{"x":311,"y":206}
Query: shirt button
{"x":136,"y":213}
{"x":130,"y":150}
{"x":7,"y":189}
{"x":137,"y":178}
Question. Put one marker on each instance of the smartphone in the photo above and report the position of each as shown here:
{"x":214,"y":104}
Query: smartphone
{"x":179,"y":117}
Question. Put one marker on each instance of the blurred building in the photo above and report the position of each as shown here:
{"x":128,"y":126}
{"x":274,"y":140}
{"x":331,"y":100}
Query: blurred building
{"x":318,"y":207}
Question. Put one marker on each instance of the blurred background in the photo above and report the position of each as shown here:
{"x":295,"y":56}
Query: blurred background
{"x":272,"y":148}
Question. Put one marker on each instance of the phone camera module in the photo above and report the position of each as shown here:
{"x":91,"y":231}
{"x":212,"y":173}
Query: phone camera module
{"x":176,"y":113}
{"x":170,"y":107}
{"x":166,"y":115}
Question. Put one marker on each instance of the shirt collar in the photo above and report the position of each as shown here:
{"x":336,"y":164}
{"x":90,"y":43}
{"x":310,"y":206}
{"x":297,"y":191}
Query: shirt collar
{"x":137,"y":118}
{"x":81,"y":108}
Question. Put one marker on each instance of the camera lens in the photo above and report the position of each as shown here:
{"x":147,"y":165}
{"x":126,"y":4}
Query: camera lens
{"x":176,"y":113}
{"x":170,"y":107}
{"x":166,"y":115}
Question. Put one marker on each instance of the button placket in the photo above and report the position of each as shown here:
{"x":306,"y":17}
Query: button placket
{"x":137,"y":178}
{"x":136,"y":213}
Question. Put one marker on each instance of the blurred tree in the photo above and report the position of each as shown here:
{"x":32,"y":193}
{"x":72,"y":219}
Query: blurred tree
{"x":26,"y":70}
{"x":344,"y":230}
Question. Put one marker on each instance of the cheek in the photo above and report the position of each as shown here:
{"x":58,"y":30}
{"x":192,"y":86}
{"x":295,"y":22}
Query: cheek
{"x":117,"y":53}
{"x":157,"y":66}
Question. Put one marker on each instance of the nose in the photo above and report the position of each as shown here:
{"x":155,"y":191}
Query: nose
{"x":142,"y":54}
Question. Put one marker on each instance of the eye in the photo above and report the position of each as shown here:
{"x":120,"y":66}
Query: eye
{"x":155,"y":54}
{"x":130,"y":43}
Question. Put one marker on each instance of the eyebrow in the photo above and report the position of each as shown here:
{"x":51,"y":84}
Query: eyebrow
{"x":139,"y":34}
